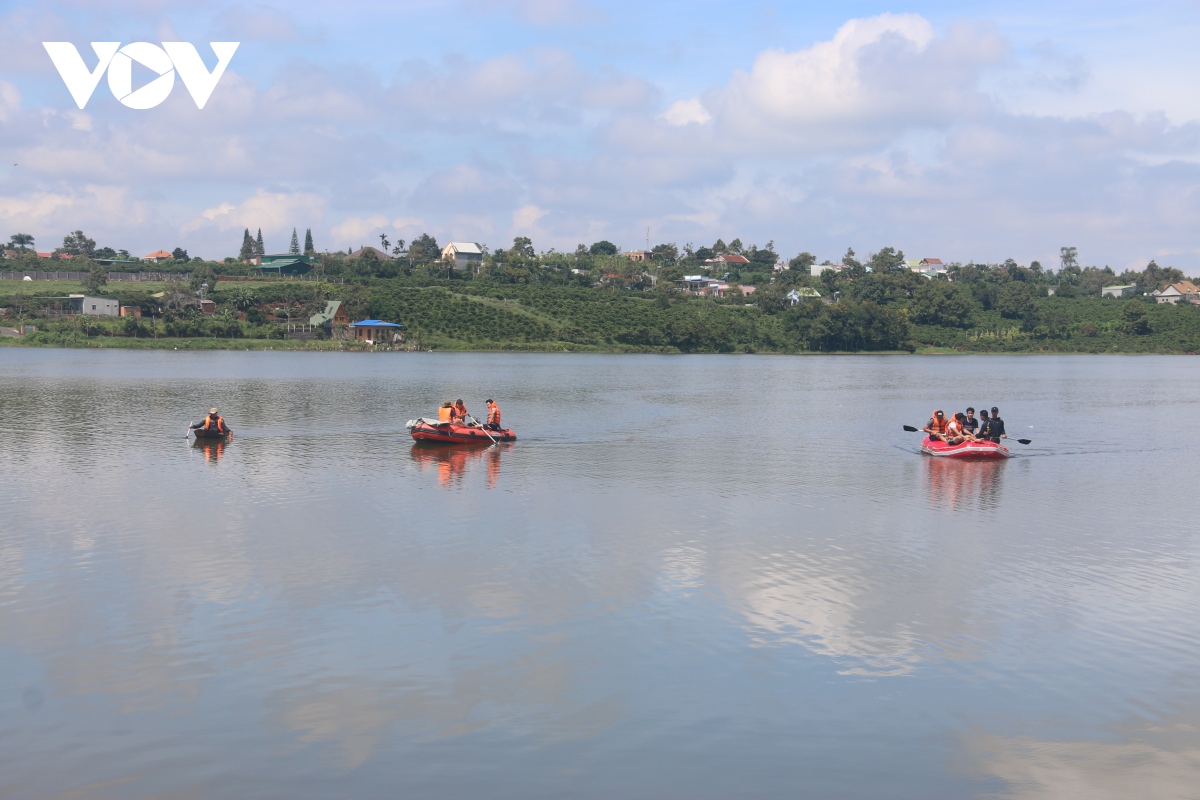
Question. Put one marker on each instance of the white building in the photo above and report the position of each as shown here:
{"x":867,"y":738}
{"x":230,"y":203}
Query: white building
{"x":1183,"y":290}
{"x":94,"y":306}
{"x":815,"y":270}
{"x":464,"y":254}
{"x":1118,"y":291}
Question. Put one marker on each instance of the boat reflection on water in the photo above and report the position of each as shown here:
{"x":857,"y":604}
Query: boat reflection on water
{"x":453,"y":461}
{"x":959,"y":484}
{"x":212,"y":448}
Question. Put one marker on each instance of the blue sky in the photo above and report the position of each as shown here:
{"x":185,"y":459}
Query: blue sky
{"x":962,"y":131}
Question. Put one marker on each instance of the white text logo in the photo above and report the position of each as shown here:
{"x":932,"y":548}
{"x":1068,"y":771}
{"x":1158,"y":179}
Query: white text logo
{"x":165,"y":61}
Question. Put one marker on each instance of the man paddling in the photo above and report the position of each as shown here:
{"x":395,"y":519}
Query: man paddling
{"x":493,"y":415}
{"x":213,"y":423}
{"x":995,"y":428}
{"x":937,"y":426}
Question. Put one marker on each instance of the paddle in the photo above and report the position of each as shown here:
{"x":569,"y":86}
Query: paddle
{"x":484,"y":430}
{"x":911,"y":429}
{"x":191,"y":425}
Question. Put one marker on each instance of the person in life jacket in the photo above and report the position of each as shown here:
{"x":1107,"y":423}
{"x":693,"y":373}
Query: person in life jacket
{"x":446,"y":412}
{"x":213,"y":423}
{"x":493,"y":415}
{"x":938,"y":426}
{"x":958,"y":432}
{"x":460,"y":410}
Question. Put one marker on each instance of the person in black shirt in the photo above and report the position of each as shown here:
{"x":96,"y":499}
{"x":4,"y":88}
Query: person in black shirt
{"x":970,"y":424}
{"x":995,"y":428}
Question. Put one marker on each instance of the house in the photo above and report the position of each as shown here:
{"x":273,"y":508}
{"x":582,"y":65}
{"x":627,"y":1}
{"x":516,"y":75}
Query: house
{"x":334,"y":314}
{"x":208,"y":307}
{"x":640,"y":255}
{"x":10,"y":253}
{"x":362,"y":251}
{"x":797,"y":296}
{"x":815,"y":270}
{"x":727,"y":259}
{"x":929,"y":267}
{"x":93,"y":306}
{"x":285,"y":263}
{"x":463,"y":254}
{"x":131,"y":311}
{"x":157,"y":256}
{"x":64,"y":256}
{"x":702,"y":285}
{"x":1183,"y":290}
{"x":749,"y":290}
{"x":1118,"y":291}
{"x":374,"y":331}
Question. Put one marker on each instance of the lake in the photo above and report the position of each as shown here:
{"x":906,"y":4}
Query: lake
{"x":691,"y":577}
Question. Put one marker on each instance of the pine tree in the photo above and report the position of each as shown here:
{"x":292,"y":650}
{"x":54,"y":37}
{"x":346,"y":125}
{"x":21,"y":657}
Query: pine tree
{"x":308,"y":243}
{"x":247,"y":251}
{"x":294,"y":247}
{"x":258,"y":245}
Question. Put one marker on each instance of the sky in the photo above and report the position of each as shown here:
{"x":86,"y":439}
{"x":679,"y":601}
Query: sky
{"x":965,"y":131}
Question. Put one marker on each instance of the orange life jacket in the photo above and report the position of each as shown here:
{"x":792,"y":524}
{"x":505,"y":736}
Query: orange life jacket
{"x":460,"y":410}
{"x":937,"y":426}
{"x":214,"y":424}
{"x":493,"y":414}
{"x":446,"y":414}
{"x":954,"y":428}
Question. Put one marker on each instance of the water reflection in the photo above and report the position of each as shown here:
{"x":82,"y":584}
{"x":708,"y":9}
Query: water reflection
{"x":212,"y":449}
{"x":962,"y":485}
{"x":453,"y":461}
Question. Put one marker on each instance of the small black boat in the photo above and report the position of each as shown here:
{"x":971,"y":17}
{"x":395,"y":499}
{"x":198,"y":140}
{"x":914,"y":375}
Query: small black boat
{"x":202,"y":433}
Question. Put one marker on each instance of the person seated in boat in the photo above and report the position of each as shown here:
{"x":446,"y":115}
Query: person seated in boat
{"x":493,"y":415}
{"x":956,"y":431}
{"x":460,"y":411}
{"x":937,"y":426}
{"x":213,"y":423}
{"x":446,"y":412}
{"x":971,"y":424}
{"x":995,"y":429}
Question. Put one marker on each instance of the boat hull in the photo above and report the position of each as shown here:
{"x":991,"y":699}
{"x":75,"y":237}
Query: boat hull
{"x":972,"y":451}
{"x":453,"y":433}
{"x":203,"y":434}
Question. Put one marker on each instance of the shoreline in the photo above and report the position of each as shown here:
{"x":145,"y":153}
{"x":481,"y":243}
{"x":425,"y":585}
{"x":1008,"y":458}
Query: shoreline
{"x":331,"y":346}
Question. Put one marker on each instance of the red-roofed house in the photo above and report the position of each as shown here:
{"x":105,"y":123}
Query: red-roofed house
{"x":726,"y":259}
{"x":158,"y":255}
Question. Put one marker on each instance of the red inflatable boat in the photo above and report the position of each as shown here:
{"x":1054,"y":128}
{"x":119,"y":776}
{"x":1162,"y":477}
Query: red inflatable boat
{"x":966,"y":450}
{"x":424,"y":430}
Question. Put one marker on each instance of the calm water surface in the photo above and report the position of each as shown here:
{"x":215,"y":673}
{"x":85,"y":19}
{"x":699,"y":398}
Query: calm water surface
{"x":692,"y":577}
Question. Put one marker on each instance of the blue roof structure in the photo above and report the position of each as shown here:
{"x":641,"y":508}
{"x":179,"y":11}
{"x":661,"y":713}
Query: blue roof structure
{"x":376,"y":323}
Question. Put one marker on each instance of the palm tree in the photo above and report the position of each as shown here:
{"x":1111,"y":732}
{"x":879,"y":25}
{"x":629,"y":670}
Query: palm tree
{"x":22,"y":240}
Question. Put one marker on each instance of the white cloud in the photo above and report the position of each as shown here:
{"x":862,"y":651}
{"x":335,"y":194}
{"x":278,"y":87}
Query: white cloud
{"x":525,"y":219}
{"x":687,"y":112}
{"x":272,"y":211}
{"x":10,"y":100}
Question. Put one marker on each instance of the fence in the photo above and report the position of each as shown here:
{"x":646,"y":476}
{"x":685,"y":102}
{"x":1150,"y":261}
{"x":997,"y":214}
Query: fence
{"x":116,"y":277}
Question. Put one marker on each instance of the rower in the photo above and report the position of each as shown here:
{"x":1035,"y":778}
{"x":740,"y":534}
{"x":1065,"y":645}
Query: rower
{"x":996,"y":430}
{"x":937,"y":426}
{"x":446,"y":412}
{"x":213,"y":423}
{"x":460,"y":411}
{"x":493,"y":415}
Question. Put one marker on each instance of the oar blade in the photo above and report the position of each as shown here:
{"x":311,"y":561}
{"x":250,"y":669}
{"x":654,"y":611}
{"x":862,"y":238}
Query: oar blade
{"x":1024,"y":441}
{"x":910,"y":429}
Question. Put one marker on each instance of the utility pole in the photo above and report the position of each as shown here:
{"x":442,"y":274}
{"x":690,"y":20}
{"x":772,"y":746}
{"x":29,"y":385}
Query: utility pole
{"x":647,"y":238}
